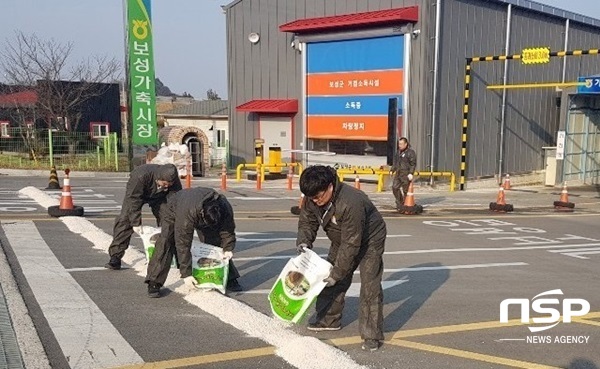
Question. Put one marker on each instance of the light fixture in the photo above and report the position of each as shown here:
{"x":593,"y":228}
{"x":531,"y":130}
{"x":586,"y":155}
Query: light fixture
{"x":254,"y":37}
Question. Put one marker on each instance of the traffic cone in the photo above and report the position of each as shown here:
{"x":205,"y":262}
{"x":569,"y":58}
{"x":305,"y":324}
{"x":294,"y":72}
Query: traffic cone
{"x":357,"y":182}
{"x":66,"y":207}
{"x":409,"y":207}
{"x":563,"y":204}
{"x":296,"y":209}
{"x":506,"y":183}
{"x":66,"y":200}
{"x":224,"y":177}
{"x":53,"y":183}
{"x":500,"y":205}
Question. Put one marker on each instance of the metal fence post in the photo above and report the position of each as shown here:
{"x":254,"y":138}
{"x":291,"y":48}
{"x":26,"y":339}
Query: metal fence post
{"x":116,"y":140}
{"x":50,"y":148}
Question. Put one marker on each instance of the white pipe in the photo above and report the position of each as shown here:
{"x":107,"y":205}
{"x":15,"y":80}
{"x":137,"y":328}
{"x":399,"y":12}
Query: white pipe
{"x":436,"y":61}
{"x":504,"y":92}
{"x":405,"y":94}
{"x":564,"y":69}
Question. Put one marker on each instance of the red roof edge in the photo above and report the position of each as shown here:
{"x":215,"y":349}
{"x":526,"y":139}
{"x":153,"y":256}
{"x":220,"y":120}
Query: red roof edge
{"x":354,"y":20}
{"x":23,"y":98}
{"x":288,"y":106}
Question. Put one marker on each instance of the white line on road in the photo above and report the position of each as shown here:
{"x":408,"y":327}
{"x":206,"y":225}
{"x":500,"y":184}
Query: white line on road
{"x":90,"y":269}
{"x":452,"y":267}
{"x":86,"y":337}
{"x":472,"y":249}
{"x":242,"y":239}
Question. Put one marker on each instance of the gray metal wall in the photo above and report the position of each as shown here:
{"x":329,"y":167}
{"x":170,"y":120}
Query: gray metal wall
{"x":271,"y":69}
{"x":478,"y":28}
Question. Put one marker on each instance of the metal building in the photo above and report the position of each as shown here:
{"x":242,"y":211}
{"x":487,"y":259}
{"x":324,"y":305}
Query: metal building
{"x":351,"y":76}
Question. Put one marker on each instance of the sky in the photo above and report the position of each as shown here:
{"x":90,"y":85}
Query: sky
{"x":189,"y":35}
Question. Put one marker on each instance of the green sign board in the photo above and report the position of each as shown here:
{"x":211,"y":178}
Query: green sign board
{"x":141,"y":73}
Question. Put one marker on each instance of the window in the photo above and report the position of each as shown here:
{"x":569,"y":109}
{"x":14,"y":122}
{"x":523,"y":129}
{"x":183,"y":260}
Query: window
{"x":221,"y":138}
{"x":99,"y":129}
{"x":350,"y":147}
{"x":4,"y":129}
{"x":63,"y":122}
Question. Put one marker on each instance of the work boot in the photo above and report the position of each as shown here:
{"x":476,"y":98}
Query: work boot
{"x":234,"y":286}
{"x":153,"y":290}
{"x":371,"y":345}
{"x":320,"y":327}
{"x":114,"y":263}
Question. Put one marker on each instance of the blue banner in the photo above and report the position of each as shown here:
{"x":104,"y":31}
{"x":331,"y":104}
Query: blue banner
{"x":351,"y":105}
{"x":382,"y":53}
{"x":591,"y":85}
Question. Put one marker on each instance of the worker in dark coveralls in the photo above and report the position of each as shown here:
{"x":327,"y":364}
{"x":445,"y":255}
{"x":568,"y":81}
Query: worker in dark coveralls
{"x":405,"y":162}
{"x":357,"y":233}
{"x":196,"y":209}
{"x":148,"y":184}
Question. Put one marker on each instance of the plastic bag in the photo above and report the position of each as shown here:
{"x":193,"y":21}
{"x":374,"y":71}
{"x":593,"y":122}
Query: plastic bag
{"x":208,"y":266}
{"x":175,"y":154}
{"x":149,"y":236}
{"x":298,"y":285}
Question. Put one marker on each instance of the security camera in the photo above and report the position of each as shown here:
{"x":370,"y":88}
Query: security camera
{"x":416,"y":32}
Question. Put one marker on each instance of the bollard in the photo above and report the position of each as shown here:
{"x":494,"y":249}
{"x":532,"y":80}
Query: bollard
{"x":357,"y":182}
{"x":258,"y":178}
{"x":223,"y":177}
{"x":188,"y":177}
{"x":290,"y":177}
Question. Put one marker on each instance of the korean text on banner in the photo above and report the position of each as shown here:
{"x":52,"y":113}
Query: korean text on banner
{"x":141,"y":73}
{"x":298,"y":285}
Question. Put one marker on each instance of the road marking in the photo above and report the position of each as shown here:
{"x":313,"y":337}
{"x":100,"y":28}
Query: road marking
{"x":472,"y":249}
{"x":205,"y":359}
{"x":90,"y":269}
{"x":470,"y":355}
{"x":242,"y":239}
{"x":87,"y":338}
{"x":452,"y":267}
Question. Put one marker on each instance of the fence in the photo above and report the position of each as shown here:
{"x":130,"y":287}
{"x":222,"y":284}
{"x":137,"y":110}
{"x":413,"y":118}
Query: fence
{"x":26,"y":148}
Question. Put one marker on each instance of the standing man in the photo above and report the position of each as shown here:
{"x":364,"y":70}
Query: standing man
{"x":405,"y":162}
{"x":357,"y":233}
{"x":148,"y":184}
{"x":211,"y":216}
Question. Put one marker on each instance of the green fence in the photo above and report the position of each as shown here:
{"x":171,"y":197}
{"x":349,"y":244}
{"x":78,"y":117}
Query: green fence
{"x":26,"y":148}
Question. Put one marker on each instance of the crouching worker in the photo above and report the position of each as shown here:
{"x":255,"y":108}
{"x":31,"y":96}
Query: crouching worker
{"x":150,"y":184}
{"x":211,"y":216}
{"x":357,"y":233}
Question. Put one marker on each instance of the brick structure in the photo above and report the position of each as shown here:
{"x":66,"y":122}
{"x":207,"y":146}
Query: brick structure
{"x":176,"y":134}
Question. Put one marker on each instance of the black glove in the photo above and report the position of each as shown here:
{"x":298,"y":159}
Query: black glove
{"x":302,"y":248}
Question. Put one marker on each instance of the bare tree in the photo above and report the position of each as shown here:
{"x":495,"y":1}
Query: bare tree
{"x":63,"y":87}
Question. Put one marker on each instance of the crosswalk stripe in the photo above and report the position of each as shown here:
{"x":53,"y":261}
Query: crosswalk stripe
{"x":87,"y":338}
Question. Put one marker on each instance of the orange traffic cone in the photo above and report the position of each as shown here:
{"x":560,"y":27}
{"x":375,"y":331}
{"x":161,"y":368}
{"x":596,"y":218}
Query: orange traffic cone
{"x":506,"y":184}
{"x":563,"y":204}
{"x":296,"y":209}
{"x":409,"y":207}
{"x":500,"y":204}
{"x":357,"y":182}
{"x":66,"y":207}
{"x":66,"y":200}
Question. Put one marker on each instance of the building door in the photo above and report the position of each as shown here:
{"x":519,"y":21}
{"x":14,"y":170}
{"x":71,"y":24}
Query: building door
{"x":582,"y":147}
{"x":195,"y":148}
{"x":277,"y":132}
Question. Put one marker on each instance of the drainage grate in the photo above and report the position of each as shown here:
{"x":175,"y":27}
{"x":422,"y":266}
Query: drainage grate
{"x":10,"y":355}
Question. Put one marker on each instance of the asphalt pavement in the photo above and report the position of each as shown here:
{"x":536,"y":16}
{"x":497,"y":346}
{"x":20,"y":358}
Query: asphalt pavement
{"x":447,"y":272}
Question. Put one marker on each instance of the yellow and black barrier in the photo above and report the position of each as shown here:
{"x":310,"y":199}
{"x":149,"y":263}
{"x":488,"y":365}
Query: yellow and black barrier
{"x":471,"y":60}
{"x":238,"y":170}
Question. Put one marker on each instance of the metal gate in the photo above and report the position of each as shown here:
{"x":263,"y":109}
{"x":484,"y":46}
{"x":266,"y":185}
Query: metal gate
{"x":195,"y":148}
{"x":582,"y":147}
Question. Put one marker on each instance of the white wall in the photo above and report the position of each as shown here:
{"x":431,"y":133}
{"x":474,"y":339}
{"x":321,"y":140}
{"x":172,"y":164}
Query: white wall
{"x":217,"y":154}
